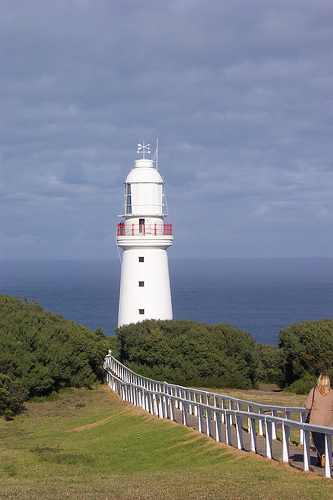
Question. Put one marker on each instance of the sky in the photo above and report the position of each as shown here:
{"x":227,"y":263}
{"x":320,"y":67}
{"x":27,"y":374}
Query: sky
{"x":238,"y":93}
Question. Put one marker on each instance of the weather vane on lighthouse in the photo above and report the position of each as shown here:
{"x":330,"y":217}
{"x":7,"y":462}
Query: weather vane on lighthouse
{"x":143,"y":149}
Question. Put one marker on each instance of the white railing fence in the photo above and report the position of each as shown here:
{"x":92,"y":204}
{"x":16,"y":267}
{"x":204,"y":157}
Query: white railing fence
{"x":161,"y":399}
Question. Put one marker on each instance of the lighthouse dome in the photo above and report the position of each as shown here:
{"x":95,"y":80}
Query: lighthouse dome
{"x":144,"y":171}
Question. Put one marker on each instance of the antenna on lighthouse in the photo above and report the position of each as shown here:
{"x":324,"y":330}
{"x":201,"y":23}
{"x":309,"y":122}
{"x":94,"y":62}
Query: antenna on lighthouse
{"x":155,"y":157}
{"x":143,"y":149}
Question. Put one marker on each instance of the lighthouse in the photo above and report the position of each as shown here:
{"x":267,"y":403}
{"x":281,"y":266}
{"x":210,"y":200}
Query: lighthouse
{"x":144,"y":237}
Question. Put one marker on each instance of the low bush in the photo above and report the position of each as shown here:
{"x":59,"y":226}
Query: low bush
{"x":43,"y":352}
{"x":308,"y":350}
{"x":271,"y":361}
{"x":185,"y":352}
{"x":302,"y":385}
{"x":12,"y":397}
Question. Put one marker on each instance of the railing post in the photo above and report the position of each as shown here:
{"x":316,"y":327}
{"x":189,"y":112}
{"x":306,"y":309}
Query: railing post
{"x":239,"y":432}
{"x":160,"y":406}
{"x":285,"y":442}
{"x":288,"y":418}
{"x":148,"y":401}
{"x":143,"y":399}
{"x":306,"y":450}
{"x":261,"y":427}
{"x":274,"y":414}
{"x":301,"y":431}
{"x":152,"y":403}
{"x":196,"y":399}
{"x":177,"y":401}
{"x":172,"y":409}
{"x":216,"y":404}
{"x":155,"y":404}
{"x":200,"y":418}
{"x":328,"y":455}
{"x":231,"y":406}
{"x":249,"y":409}
{"x":208,"y":423}
{"x":253,"y":437}
{"x":268,"y":426}
{"x":223,"y":408}
{"x":140,"y":400}
{"x":184,"y":411}
{"x":165,"y":403}
{"x":123,"y":391}
{"x":228,"y":418}
{"x":218,"y":426}
{"x":191,"y":398}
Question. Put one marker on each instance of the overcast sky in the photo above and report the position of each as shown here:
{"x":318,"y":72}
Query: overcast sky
{"x":238,"y":93}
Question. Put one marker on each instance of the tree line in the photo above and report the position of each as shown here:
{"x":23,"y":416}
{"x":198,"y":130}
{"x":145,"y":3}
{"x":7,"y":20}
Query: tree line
{"x":189,"y":353}
{"x":41,"y":352}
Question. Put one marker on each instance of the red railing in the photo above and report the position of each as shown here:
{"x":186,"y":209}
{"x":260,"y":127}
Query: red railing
{"x":130,"y":229}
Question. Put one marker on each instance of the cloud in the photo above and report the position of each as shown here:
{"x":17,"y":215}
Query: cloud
{"x":238,"y":94}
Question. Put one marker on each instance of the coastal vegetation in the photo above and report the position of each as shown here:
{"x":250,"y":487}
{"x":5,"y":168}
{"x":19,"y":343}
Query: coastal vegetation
{"x":308,"y":351}
{"x":190,"y":353}
{"x":42,"y":353}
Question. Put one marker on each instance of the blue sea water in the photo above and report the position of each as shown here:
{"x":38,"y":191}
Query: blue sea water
{"x":260,"y":296}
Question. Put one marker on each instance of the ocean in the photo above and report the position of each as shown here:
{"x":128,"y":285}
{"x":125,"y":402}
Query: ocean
{"x":260,"y":296}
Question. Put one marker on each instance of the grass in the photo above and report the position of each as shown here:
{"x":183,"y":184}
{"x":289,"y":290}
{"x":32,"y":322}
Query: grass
{"x":90,"y":444}
{"x":265,"y":397}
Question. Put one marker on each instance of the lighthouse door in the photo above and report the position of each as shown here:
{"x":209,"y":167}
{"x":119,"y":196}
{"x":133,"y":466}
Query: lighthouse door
{"x":141,"y":226}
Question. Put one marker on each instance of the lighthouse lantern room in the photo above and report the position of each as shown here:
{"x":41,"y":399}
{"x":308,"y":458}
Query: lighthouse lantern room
{"x":144,"y":238}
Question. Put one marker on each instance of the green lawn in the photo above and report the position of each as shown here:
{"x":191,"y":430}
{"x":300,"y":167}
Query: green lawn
{"x":90,"y":444}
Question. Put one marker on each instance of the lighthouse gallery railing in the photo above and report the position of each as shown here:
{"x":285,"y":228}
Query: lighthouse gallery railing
{"x":161,"y":398}
{"x":131,"y":229}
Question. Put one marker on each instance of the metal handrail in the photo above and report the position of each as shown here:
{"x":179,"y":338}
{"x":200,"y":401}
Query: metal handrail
{"x":161,"y":398}
{"x":131,"y":229}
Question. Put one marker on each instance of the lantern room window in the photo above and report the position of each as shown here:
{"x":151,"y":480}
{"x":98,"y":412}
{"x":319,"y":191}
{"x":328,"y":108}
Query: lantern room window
{"x":128,"y":198}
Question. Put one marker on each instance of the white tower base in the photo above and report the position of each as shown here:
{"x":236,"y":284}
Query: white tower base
{"x":144,"y":286}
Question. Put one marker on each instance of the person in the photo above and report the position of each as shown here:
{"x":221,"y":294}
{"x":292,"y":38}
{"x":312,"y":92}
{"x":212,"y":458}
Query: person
{"x":320,"y":403}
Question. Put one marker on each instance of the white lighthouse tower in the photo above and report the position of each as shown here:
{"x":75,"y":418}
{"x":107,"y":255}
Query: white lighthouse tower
{"x":144,"y":238}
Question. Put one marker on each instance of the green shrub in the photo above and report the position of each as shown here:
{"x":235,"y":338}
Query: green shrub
{"x":12,"y":397}
{"x":302,"y":385}
{"x":308,"y":349}
{"x":46,"y":352}
{"x":271,"y":361}
{"x":185,"y":352}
